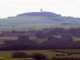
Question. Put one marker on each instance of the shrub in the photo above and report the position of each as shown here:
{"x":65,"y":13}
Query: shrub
{"x":19,"y":55}
{"x":38,"y":56}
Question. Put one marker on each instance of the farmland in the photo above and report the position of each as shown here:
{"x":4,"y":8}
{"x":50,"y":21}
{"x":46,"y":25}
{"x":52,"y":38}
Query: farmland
{"x":8,"y":38}
{"x":53,"y":36}
{"x":48,"y":53}
{"x":4,"y":38}
{"x":25,"y":23}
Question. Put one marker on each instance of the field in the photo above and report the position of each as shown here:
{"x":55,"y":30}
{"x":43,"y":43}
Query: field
{"x":25,"y":23}
{"x":49,"y":53}
{"x":34,"y":22}
{"x":4,"y":38}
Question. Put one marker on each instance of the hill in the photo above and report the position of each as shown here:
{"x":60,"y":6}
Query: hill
{"x":45,"y":14}
{"x":38,"y":20}
{"x":50,"y":16}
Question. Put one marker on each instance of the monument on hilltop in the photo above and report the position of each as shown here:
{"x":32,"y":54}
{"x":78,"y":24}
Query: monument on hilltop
{"x":41,"y":10}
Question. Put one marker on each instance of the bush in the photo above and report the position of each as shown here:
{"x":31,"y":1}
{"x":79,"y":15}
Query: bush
{"x":66,"y":58}
{"x":19,"y":55}
{"x":38,"y":56}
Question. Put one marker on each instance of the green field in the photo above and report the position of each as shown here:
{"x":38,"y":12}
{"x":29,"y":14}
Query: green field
{"x":34,"y":22}
{"x":25,"y":23}
{"x":6,"y":55}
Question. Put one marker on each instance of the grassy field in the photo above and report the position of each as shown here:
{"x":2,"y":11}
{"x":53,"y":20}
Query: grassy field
{"x":6,"y":55}
{"x":33,"y":22}
{"x":36,"y":26}
{"x":25,"y":23}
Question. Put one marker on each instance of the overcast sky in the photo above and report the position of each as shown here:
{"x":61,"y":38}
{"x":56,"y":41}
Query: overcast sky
{"x":63,"y":7}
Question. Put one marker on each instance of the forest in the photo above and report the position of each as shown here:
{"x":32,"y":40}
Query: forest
{"x":56,"y":38}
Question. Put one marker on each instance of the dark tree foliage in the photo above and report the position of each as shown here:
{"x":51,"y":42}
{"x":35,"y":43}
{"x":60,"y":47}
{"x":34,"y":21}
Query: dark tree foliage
{"x":40,"y":34}
{"x":23,"y":38}
{"x":54,"y":58}
{"x":38,"y":56}
{"x":19,"y":55}
{"x":45,"y":14}
{"x":24,"y":43}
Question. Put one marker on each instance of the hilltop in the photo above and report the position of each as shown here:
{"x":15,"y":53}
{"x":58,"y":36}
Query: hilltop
{"x":50,"y":16}
{"x":45,"y":14}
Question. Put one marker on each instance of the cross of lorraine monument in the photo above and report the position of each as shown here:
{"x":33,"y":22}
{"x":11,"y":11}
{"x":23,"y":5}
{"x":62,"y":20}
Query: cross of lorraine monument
{"x":41,"y":10}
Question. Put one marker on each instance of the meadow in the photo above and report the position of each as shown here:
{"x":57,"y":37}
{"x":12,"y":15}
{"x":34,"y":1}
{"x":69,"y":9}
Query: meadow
{"x":34,"y":22}
{"x":6,"y":55}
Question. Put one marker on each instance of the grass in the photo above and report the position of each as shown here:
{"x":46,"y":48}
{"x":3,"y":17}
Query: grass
{"x":48,"y":53}
{"x":7,"y":54}
{"x":33,"y":22}
{"x":36,"y":26}
{"x":13,"y":59}
{"x":25,"y":22}
{"x":57,"y":36}
{"x":38,"y":39}
{"x":76,"y":38}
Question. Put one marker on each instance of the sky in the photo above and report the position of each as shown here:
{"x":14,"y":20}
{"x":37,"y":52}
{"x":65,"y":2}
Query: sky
{"x":63,"y":7}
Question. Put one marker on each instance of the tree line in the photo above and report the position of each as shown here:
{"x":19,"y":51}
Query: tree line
{"x":24,"y":43}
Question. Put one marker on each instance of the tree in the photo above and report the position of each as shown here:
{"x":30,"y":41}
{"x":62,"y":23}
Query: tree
{"x":19,"y":55}
{"x":23,"y":38}
{"x":38,"y":56}
{"x":40,"y":34}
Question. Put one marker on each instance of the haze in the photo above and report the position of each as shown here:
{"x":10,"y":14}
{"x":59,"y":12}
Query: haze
{"x":63,"y":7}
